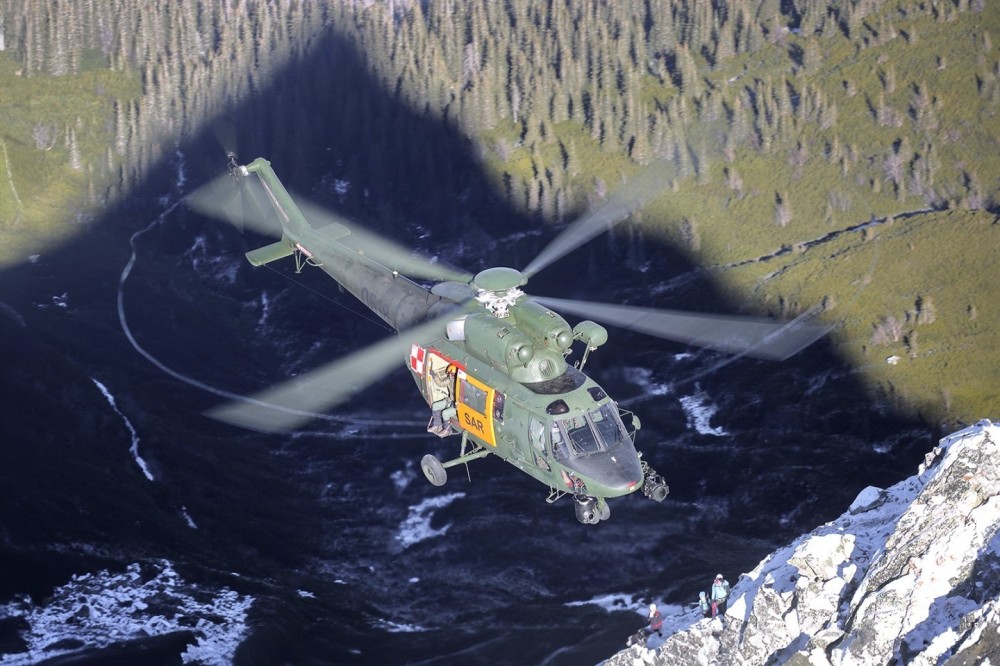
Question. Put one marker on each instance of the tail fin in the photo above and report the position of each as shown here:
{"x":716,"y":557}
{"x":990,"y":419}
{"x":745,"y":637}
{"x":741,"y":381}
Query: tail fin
{"x":294,"y":225}
{"x":293,"y":222}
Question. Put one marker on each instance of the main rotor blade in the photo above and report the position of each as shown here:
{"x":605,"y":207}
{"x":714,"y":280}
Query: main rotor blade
{"x":385,"y":251}
{"x":225,"y":134}
{"x":218,"y":199}
{"x":760,"y":338}
{"x":632,"y":196}
{"x":226,"y":200}
{"x":294,"y":402}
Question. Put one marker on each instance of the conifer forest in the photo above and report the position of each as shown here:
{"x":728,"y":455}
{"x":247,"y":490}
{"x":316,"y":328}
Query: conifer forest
{"x":795,"y":132}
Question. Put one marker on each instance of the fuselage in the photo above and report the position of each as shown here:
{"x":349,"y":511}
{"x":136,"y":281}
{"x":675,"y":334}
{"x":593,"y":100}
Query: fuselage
{"x":565,"y":432}
{"x":515,"y":395}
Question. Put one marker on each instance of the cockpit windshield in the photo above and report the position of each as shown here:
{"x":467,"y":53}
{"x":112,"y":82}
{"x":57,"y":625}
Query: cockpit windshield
{"x":583,"y":434}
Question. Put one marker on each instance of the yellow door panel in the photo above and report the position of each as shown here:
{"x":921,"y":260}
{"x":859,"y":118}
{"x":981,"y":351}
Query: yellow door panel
{"x":474,"y":413}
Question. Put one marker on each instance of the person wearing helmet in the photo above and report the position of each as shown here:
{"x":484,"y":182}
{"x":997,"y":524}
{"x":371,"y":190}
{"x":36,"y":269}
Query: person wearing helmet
{"x":444,"y":406}
{"x":719,"y":595}
{"x":655,"y":621}
{"x":655,"y":626}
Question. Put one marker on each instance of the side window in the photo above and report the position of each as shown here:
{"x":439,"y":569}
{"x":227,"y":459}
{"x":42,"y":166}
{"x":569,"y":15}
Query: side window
{"x":536,"y":433}
{"x":558,"y":447}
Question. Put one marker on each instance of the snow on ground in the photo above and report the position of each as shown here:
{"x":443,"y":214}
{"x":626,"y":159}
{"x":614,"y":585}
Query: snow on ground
{"x":675,"y":617}
{"x":96,"y":610}
{"x":188,"y":520}
{"x":870,"y":531}
{"x":402,"y":478}
{"x":401,"y":628}
{"x":610,"y":602}
{"x":699,"y":411}
{"x":134,"y":449}
{"x":417,"y":526}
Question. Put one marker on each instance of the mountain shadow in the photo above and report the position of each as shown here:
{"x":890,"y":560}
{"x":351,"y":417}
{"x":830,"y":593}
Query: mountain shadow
{"x":283,"y":512}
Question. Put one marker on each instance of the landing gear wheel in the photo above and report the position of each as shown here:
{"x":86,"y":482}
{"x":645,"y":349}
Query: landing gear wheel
{"x":433,"y":470}
{"x":603,"y":510}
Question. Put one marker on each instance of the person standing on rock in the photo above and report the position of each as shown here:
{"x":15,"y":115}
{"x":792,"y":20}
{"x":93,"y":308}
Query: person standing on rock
{"x":718,"y":595}
{"x":655,"y":626}
{"x":706,"y":608}
{"x":655,"y":621}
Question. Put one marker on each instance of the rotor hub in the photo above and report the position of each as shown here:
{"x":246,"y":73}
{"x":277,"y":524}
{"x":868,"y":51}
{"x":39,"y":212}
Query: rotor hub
{"x":499,"y":278}
{"x":497,"y":289}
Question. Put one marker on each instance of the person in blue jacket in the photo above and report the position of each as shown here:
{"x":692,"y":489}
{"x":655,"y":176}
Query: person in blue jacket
{"x":719,"y":595}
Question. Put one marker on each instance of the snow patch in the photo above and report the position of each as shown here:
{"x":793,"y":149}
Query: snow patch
{"x":263,"y":321}
{"x":96,"y":610}
{"x":609,"y":602}
{"x":699,"y":412}
{"x":401,"y":628}
{"x":181,"y":179}
{"x":134,"y":448}
{"x":341,"y":186}
{"x":675,"y":617}
{"x":417,"y":526}
{"x":187,"y":518}
{"x":402,"y":478}
{"x":61,"y":301}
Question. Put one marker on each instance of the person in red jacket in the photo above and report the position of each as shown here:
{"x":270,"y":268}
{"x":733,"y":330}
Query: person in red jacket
{"x":655,"y":626}
{"x":655,"y":621}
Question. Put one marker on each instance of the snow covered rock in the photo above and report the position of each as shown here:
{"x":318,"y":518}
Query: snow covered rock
{"x":906,"y":575}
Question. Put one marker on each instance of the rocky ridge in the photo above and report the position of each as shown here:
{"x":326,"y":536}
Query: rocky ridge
{"x":907,"y":575}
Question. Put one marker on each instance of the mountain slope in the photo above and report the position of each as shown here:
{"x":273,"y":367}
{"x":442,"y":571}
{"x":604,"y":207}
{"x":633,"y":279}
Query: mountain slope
{"x":905,"y":575}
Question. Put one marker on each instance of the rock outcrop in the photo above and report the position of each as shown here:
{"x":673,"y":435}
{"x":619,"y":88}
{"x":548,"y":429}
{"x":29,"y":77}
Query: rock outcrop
{"x":908,"y":575}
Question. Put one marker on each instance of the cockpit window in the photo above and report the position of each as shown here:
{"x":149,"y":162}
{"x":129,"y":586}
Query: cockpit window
{"x":608,"y":424}
{"x":583,"y":434}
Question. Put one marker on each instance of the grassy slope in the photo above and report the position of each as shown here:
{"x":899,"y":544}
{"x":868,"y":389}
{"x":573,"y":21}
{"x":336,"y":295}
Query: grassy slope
{"x":42,"y":198}
{"x":948,"y":361}
{"x":945,"y":260}
{"x":840,"y":182}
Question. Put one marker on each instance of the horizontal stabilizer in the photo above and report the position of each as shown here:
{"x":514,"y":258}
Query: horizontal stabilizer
{"x":272,"y":252}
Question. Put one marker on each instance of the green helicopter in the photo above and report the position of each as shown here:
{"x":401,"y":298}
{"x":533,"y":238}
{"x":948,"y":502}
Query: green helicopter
{"x":489,"y":360}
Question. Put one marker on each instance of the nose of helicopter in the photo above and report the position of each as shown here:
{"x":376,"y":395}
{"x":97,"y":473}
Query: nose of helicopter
{"x":618,"y":471}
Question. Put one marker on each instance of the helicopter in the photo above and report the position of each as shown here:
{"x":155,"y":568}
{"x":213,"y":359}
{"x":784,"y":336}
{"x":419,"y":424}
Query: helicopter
{"x":490,"y":361}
